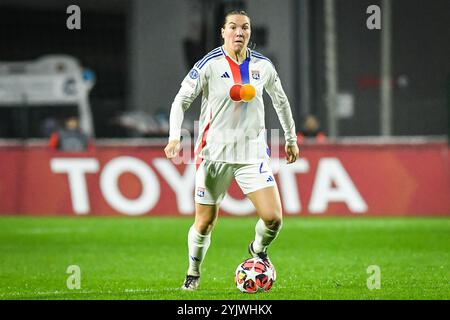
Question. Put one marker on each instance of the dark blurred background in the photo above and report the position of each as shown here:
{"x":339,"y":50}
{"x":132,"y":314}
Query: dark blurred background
{"x":139,"y":52}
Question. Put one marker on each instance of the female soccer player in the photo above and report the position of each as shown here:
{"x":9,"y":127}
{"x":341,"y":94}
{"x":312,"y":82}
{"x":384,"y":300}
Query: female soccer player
{"x":231,"y":142}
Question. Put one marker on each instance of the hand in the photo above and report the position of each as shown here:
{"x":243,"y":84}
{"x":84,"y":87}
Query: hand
{"x":292,"y":152}
{"x":172,"y":148}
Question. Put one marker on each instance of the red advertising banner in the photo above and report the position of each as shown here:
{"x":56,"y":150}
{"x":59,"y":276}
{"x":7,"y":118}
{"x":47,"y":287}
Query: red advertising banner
{"x":331,"y":179}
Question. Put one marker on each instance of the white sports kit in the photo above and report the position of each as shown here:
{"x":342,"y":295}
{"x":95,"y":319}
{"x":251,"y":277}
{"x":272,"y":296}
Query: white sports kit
{"x":232,"y":135}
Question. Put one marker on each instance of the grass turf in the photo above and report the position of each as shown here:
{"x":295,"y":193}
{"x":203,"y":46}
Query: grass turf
{"x":146,"y":258}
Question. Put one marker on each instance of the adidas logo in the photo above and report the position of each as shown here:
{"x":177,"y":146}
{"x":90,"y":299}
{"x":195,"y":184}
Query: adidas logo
{"x":270,"y":178}
{"x":225,"y":75}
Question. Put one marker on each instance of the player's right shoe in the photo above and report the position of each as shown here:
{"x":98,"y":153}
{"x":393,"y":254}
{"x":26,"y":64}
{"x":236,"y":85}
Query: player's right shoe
{"x":191,"y":283}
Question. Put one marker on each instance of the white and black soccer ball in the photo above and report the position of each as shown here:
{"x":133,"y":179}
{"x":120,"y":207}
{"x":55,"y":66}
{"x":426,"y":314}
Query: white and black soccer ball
{"x":254,"y":275}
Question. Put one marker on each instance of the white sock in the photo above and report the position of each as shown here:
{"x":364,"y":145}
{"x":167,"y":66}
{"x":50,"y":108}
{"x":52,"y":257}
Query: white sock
{"x":198,"y":244}
{"x":264,"y":236}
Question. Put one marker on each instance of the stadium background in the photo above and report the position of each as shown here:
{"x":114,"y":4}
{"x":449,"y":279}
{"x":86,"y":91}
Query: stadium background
{"x":132,"y":56}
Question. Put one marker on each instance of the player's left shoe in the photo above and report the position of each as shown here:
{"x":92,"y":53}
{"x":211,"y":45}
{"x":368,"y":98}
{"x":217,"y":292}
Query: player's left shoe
{"x":263,"y":256}
{"x":191,"y":283}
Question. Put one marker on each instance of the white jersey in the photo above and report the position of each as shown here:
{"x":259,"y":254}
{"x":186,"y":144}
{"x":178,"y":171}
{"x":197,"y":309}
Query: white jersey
{"x":230,"y":131}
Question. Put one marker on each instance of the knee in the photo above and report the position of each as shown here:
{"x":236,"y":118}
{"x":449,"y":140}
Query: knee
{"x":205,"y":218}
{"x":274,"y":223}
{"x":205,"y":225}
{"x":273,"y":220}
{"x":272,"y":217}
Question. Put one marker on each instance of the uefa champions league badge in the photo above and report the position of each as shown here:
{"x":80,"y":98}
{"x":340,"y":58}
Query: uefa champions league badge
{"x":255,"y":74}
{"x":193,"y":74}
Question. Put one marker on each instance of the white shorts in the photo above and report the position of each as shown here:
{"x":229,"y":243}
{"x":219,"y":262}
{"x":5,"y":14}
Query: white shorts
{"x":212,"y":179}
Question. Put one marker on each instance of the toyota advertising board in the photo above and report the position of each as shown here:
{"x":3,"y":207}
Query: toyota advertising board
{"x":332,"y":179}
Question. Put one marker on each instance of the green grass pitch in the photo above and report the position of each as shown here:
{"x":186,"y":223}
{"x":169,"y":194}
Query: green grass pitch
{"x":146,"y":258}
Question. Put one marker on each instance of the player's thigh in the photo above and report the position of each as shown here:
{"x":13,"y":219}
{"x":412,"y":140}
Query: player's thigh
{"x":212,"y":180}
{"x":258,"y":184}
{"x":267,"y":204}
{"x":211,"y":183}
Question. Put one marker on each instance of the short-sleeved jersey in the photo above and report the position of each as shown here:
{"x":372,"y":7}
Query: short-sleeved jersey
{"x":231,"y":131}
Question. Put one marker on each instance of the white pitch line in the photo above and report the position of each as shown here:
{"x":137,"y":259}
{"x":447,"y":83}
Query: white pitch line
{"x":49,"y":230}
{"x":56,"y":292}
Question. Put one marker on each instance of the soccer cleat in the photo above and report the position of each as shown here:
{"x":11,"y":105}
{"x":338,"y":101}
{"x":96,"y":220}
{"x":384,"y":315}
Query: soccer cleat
{"x":261,"y":255}
{"x":191,"y":283}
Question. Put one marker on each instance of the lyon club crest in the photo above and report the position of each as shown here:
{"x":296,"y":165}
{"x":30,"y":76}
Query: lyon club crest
{"x":255,"y":74}
{"x":200,"y":192}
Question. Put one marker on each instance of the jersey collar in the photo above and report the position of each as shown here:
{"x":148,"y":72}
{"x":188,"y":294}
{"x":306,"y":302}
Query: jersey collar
{"x":248,"y":55}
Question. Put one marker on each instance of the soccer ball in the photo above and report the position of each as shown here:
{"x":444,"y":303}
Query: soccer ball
{"x":254,"y":275}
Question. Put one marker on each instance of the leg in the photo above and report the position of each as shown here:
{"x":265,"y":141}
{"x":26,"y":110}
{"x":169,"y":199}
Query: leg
{"x":199,"y":237}
{"x":211,"y":182}
{"x":205,"y":217}
{"x":268,"y":207}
